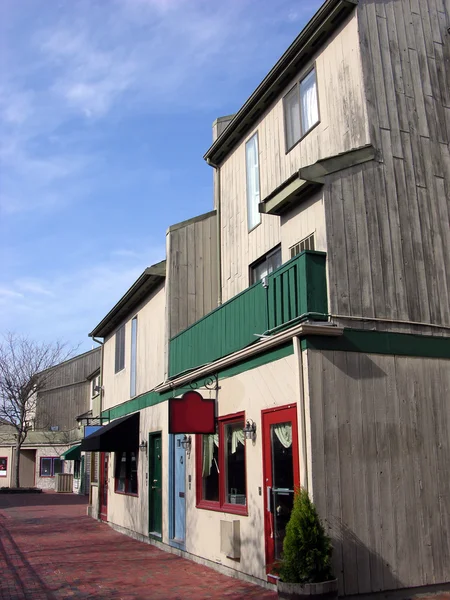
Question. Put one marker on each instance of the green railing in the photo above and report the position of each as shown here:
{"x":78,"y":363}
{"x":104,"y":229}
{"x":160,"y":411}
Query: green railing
{"x":295,"y":291}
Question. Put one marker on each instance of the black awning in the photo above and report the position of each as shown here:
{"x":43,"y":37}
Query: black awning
{"x":119,"y":436}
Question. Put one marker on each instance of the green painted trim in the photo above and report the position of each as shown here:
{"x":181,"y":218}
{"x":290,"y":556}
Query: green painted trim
{"x":153,"y":398}
{"x":382,"y":342}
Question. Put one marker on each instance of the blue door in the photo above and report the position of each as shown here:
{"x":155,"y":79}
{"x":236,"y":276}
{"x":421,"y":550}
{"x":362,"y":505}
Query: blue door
{"x":178,"y":527}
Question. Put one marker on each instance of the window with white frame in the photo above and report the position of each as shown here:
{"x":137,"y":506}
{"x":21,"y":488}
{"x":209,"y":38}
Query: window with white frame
{"x":252,"y":173}
{"x":120,"y":349}
{"x":301,"y":109}
{"x":306,"y":244}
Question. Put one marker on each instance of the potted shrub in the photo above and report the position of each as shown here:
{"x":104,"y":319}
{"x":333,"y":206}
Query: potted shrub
{"x":306,"y":566}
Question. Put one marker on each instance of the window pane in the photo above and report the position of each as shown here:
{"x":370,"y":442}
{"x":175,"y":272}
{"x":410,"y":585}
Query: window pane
{"x":309,"y":105}
{"x":133,"y":357}
{"x":235,"y":492}
{"x":292,"y":117}
{"x":210,"y":467}
{"x":133,"y":486}
{"x":252,"y":165}
{"x":121,"y":471}
{"x":46,"y":467}
{"x":76,"y":469}
{"x":274,"y":261}
{"x":120,"y":349}
{"x":58,"y":466}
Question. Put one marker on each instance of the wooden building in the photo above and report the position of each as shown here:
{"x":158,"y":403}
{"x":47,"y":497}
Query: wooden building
{"x":68,"y":393}
{"x":328,"y":342}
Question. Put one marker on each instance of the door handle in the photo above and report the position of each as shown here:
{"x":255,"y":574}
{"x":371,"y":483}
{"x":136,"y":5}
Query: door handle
{"x":181,"y":494}
{"x":269,"y":499}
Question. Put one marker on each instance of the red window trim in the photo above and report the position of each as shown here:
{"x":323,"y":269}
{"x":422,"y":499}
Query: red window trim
{"x":127,"y":480}
{"x":52,"y":458}
{"x":220,"y":505}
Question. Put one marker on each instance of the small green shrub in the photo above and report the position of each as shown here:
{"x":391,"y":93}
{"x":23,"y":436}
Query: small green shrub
{"x":306,"y":549}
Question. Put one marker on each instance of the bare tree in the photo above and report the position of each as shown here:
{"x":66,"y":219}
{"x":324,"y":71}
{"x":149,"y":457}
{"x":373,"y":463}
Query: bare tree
{"x":25,"y":370}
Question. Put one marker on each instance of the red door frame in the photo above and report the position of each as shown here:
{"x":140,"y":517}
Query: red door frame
{"x":280,"y":414}
{"x":103,"y":491}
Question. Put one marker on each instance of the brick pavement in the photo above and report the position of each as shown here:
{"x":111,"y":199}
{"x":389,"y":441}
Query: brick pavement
{"x":50,"y":550}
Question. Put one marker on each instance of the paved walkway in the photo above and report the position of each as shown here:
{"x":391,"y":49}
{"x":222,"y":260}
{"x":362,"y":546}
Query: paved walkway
{"x":50,"y":550}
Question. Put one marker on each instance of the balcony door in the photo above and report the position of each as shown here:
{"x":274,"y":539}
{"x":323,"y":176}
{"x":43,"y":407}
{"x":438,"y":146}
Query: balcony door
{"x":281,"y":475}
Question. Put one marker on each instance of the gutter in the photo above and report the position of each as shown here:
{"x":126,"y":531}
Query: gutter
{"x":301,"y":330}
{"x":219,"y":225}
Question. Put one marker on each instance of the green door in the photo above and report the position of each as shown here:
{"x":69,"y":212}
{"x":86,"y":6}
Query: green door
{"x":155,"y":484}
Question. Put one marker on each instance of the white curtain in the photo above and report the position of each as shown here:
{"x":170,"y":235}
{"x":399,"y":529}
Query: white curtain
{"x":292,"y":112}
{"x":283,"y":431}
{"x":252,"y":163}
{"x":237,"y":437}
{"x":309,"y":105}
{"x":209,"y":441}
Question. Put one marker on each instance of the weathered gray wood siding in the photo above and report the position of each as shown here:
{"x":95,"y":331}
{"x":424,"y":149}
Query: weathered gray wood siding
{"x":192,"y":271}
{"x":388,"y":222}
{"x":380,"y":454}
{"x":67,"y":392}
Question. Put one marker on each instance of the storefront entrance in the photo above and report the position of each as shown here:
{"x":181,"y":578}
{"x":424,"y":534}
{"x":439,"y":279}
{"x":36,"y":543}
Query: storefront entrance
{"x":155,"y":485}
{"x":177,"y":491}
{"x":281,"y":475}
{"x":103,"y":500}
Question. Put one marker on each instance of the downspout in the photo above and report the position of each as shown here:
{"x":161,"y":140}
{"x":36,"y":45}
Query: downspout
{"x":303,"y":459}
{"x":219,"y":224}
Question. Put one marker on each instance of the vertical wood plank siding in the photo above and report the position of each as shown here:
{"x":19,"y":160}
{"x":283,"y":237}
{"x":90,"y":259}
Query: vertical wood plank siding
{"x":192,"y":272}
{"x":343,"y":126}
{"x":67,"y":392}
{"x":380,"y":451}
{"x":295,"y":289}
{"x":393,"y":262}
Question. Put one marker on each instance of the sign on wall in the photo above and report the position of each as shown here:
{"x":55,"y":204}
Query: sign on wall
{"x":191,"y":414}
{"x":88,"y":429}
{"x":3,"y":466}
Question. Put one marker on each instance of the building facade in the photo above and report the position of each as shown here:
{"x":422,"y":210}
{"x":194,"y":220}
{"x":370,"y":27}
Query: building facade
{"x":324,"y":337}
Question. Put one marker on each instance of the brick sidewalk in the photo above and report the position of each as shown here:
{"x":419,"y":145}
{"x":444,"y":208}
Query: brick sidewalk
{"x":50,"y":550}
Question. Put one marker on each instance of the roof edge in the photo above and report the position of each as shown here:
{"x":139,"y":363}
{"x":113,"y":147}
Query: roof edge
{"x":157,"y":272}
{"x":243,"y":119}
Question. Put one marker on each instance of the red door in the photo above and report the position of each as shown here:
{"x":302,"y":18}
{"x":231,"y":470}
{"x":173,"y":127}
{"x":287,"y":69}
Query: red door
{"x":103,"y":500}
{"x":281,"y":475}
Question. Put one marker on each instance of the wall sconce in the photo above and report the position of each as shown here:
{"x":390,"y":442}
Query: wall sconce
{"x":186,"y":443}
{"x":250,"y":430}
{"x":143,"y":445}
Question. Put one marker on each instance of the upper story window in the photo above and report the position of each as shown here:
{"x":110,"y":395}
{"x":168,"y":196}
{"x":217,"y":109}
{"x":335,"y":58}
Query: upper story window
{"x":252,"y":170}
{"x":305,"y":244}
{"x":120,"y":349}
{"x":133,"y":357}
{"x":265,"y":265}
{"x":301,"y":109}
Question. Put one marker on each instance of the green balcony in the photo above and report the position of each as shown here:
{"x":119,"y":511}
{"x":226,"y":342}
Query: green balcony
{"x":296,"y":291}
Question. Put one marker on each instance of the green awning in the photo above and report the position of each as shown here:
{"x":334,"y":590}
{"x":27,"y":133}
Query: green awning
{"x":73,"y":453}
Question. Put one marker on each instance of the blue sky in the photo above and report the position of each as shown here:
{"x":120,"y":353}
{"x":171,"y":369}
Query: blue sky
{"x":106,"y":109}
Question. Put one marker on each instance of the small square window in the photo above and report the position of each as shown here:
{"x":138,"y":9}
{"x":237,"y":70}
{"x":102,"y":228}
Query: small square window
{"x":50,"y":466}
{"x":305,"y":244}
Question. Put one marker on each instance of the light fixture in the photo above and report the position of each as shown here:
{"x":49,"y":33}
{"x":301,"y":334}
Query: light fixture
{"x":186,"y":443}
{"x":143,"y":445}
{"x":250,"y":430}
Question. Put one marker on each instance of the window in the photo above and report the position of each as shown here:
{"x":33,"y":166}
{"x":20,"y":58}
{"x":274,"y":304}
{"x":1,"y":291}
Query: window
{"x":95,"y":390}
{"x":77,"y":469}
{"x":126,"y":475}
{"x":120,"y":349}
{"x":221,"y":470}
{"x":133,"y":357}
{"x":265,"y":265}
{"x":305,"y":244}
{"x":301,"y":109}
{"x":252,"y":170}
{"x":49,"y":467}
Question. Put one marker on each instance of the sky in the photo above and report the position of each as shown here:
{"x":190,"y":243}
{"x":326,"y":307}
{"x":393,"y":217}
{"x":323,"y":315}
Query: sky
{"x":106,"y":109}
